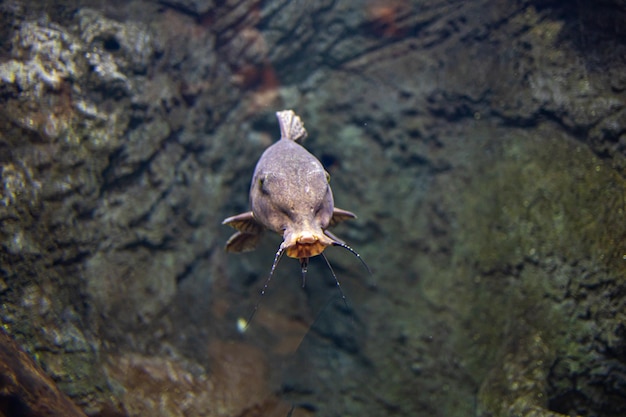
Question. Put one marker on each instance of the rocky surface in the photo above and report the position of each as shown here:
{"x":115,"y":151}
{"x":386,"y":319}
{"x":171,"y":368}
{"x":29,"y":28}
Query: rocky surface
{"x":25,"y":389}
{"x":482,"y":145}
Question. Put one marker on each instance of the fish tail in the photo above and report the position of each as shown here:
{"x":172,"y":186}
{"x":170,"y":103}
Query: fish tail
{"x":291,"y":127}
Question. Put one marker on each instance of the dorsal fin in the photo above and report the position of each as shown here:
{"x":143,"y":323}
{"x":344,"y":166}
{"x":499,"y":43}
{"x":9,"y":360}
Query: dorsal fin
{"x":291,"y":127}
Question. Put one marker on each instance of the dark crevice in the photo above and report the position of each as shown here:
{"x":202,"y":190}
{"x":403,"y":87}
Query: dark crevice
{"x":187,"y":271}
{"x":144,"y":243}
{"x":77,"y":258}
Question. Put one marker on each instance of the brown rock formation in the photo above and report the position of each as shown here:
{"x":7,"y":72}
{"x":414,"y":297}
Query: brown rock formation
{"x":25,"y":389}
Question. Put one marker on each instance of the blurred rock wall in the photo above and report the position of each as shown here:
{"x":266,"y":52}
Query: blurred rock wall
{"x":482,"y":145}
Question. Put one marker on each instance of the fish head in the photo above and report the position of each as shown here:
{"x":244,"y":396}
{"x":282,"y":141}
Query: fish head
{"x":294,"y":199}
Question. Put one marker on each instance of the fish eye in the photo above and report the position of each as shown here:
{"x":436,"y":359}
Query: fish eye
{"x":327,"y":176}
{"x":261,"y":185}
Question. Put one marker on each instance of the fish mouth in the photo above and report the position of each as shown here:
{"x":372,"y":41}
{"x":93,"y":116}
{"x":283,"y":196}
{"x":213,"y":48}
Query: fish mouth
{"x":306,"y":245}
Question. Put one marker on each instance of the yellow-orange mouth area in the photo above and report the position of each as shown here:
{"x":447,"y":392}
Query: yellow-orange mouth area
{"x":305,"y":250}
{"x":305,"y":243}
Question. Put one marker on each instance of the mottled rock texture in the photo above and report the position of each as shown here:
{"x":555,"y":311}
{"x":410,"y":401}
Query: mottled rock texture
{"x":25,"y":389}
{"x":482,"y":145}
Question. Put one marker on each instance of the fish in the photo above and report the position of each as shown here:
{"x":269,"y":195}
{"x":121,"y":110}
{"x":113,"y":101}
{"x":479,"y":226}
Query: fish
{"x":290,"y":194}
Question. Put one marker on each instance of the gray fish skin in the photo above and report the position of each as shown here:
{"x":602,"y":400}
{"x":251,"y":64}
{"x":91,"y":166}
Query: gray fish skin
{"x":290,"y":194}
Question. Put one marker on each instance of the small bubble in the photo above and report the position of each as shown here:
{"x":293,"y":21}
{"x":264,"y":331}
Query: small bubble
{"x":242,"y":324}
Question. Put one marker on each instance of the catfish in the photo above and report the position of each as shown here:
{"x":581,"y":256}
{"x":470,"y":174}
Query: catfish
{"x":290,"y":194}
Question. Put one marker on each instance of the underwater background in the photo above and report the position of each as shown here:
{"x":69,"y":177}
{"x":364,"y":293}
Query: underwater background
{"x":482,"y":145}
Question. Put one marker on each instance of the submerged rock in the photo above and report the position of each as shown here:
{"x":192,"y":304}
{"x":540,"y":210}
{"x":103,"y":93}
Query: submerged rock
{"x":482,"y":144}
{"x":25,"y":389}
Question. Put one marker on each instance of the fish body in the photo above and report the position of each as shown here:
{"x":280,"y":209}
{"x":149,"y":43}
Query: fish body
{"x":290,"y":194}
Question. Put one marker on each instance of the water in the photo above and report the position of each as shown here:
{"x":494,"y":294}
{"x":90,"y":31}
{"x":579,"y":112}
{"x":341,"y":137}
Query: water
{"x":479,"y":143}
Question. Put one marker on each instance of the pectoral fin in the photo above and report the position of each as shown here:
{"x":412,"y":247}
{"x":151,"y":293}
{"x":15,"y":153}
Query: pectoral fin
{"x":340,"y":215}
{"x":244,"y":222}
{"x":248,"y":232}
{"x":243,"y":242}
